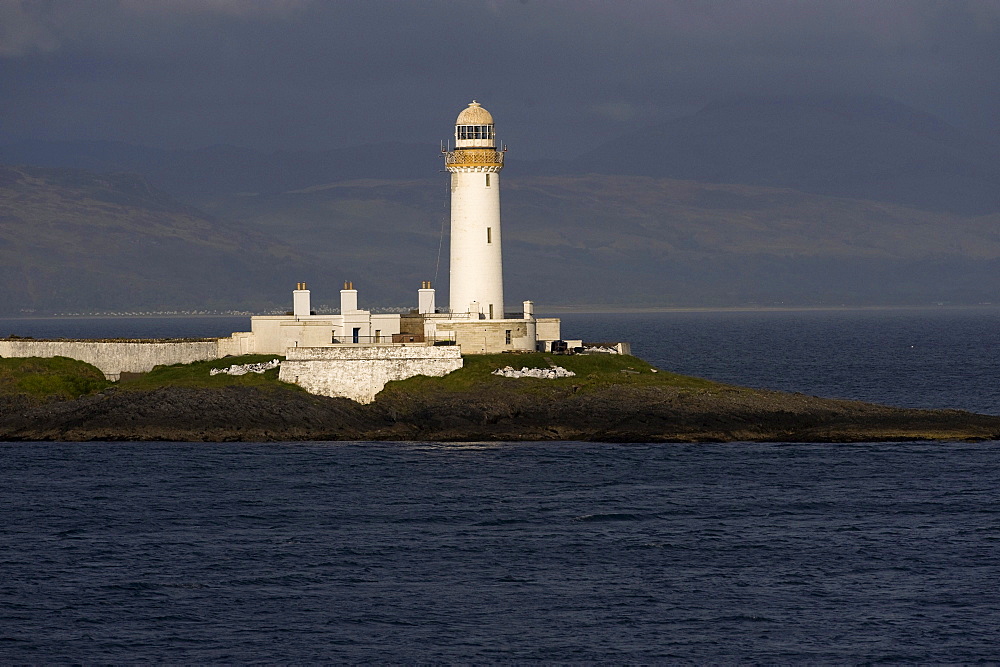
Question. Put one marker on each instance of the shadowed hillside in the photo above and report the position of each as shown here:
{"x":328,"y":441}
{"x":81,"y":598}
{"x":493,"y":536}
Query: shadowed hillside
{"x":858,"y":201}
{"x":637,"y":241}
{"x":72,"y":240}
{"x":229,"y":169}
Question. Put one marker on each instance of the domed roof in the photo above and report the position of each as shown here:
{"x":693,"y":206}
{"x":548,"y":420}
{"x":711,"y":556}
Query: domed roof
{"x":474,"y":115}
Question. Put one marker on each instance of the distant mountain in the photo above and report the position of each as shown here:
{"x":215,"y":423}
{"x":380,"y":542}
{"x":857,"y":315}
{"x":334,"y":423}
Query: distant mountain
{"x":74,"y":241}
{"x":749,"y":201}
{"x":857,"y":147}
{"x":227,"y":169}
{"x":639,"y":241}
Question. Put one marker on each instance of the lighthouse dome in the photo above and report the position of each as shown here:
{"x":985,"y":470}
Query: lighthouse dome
{"x":474,"y":128}
{"x":474,"y":114}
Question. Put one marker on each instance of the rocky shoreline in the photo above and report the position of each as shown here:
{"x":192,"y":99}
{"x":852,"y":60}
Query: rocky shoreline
{"x":489,"y":412}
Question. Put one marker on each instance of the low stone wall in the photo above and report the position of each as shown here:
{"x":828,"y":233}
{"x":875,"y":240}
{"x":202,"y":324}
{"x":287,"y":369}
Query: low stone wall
{"x":360,"y":372}
{"x":115,"y":358}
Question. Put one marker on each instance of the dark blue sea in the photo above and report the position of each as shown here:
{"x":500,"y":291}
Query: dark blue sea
{"x":533,"y":552}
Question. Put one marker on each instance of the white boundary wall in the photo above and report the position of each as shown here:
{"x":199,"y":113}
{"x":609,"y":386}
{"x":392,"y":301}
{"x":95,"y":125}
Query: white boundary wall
{"x":360,"y":372}
{"x":115,"y":358}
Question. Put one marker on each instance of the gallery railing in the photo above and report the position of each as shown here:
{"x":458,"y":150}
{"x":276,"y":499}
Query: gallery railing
{"x":474,"y":157}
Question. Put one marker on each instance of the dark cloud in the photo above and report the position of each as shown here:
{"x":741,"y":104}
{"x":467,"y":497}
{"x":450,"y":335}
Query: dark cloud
{"x":558,"y":75}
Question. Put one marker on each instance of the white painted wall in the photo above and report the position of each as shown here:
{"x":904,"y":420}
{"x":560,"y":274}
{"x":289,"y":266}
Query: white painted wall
{"x":300,"y":303}
{"x":425,"y":300}
{"x":548,"y":328}
{"x":386,"y":324}
{"x":359,"y":373}
{"x":115,"y":358}
{"x":476,"y":261}
{"x":348,"y":301}
{"x":304,"y":332}
{"x":272,"y":334}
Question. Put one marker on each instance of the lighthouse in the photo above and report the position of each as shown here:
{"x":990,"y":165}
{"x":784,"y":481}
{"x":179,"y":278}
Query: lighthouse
{"x":476,"y":263}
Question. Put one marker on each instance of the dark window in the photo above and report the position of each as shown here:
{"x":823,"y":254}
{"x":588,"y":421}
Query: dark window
{"x":463,"y":132}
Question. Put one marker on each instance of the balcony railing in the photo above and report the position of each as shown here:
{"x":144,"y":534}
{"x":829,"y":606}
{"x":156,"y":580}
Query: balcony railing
{"x":474,"y":157}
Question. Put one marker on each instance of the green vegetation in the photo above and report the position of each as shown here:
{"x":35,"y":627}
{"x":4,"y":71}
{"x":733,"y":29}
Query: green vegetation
{"x":198,"y":374}
{"x":60,"y":377}
{"x":592,"y":371}
{"x":55,"y":377}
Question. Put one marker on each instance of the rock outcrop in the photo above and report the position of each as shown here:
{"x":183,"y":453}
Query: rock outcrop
{"x":492,"y":412}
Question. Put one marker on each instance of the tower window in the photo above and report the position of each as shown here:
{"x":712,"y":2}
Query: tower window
{"x":489,"y":235}
{"x":487,"y":180}
{"x":463,"y":132}
{"x":491,"y":311}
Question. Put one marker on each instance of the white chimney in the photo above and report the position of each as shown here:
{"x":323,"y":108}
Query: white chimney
{"x":529,"y":309}
{"x":425,"y":298}
{"x":348,"y":299}
{"x":300,"y":301}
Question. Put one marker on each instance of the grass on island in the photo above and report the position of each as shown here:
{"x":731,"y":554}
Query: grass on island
{"x":52,"y":377}
{"x":198,"y":375}
{"x":63,"y":378}
{"x":593,"y":371}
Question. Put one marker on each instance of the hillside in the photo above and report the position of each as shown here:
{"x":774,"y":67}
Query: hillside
{"x":72,"y":241}
{"x":639,"y":241}
{"x":750,"y":201}
{"x":229,"y":169}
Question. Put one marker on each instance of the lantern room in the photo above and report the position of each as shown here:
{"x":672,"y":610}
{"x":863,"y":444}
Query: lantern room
{"x":474,"y":128}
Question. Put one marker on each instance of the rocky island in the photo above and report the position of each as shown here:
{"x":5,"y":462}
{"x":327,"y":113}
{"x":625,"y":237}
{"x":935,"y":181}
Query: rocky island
{"x":609,"y":398}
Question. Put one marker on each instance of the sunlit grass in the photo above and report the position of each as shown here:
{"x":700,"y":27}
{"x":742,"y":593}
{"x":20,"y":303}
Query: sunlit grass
{"x":60,"y":377}
{"x":592,"y":371}
{"x":198,"y":374}
{"x":51,"y":377}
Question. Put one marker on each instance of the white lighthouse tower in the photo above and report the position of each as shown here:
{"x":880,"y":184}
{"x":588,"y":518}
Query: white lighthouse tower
{"x":476,"y":264}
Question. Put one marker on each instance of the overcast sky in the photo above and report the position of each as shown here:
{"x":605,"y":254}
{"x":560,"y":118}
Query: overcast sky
{"x":559,"y":76}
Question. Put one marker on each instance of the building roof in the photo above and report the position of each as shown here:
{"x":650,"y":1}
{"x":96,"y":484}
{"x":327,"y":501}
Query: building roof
{"x":474,"y":115}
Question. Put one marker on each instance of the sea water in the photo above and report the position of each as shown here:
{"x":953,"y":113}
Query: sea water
{"x":498,"y":552}
{"x":922,"y":358}
{"x":424,"y":552}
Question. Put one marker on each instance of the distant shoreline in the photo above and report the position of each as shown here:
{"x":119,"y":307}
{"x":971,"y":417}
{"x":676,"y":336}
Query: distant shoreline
{"x":585,"y":310}
{"x":547,"y":311}
{"x":14,"y":318}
